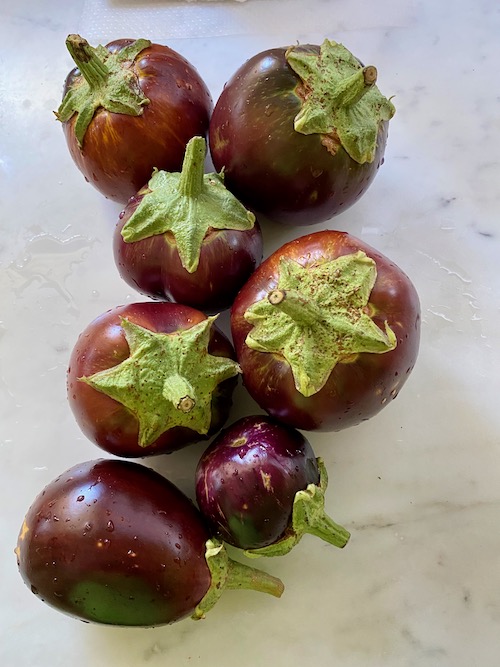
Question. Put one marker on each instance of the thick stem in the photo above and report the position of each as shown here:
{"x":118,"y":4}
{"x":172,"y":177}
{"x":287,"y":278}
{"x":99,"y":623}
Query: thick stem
{"x":244,"y":576}
{"x":352,"y":88}
{"x":301,"y":309}
{"x":93,"y":69}
{"x":193,"y":168}
{"x":180,"y":392}
{"x":227,"y":573}
{"x":308,"y":516}
{"x":326,"y":529}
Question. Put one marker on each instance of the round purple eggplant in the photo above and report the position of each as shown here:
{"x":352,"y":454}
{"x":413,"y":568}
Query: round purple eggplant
{"x":186,"y":238}
{"x":261,"y":488}
{"x":115,"y":542}
{"x":300,"y":132}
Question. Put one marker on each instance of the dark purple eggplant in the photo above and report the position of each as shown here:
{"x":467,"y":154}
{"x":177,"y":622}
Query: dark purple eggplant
{"x":115,"y":542}
{"x":185,"y":238}
{"x":300,"y":132}
{"x":261,"y":488}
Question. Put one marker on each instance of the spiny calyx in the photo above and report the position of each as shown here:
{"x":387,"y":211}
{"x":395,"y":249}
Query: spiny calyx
{"x":168,"y":380}
{"x":340,"y":97}
{"x":187,"y":204}
{"x":107,"y":81}
{"x":317,"y":317}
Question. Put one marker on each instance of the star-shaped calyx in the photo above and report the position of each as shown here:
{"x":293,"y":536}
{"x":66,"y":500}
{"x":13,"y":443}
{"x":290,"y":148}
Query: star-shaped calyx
{"x":107,"y":81}
{"x":168,"y":380}
{"x":339,"y":97}
{"x":187,"y":204}
{"x":318,"y":316}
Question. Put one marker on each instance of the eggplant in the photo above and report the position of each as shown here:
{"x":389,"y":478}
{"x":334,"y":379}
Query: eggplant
{"x":261,"y":488}
{"x":115,"y":542}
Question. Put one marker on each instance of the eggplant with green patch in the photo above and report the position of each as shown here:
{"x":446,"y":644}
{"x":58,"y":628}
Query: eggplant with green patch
{"x":261,"y":488}
{"x":116,"y":543}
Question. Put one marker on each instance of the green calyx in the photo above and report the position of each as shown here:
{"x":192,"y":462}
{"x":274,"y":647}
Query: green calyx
{"x":107,"y":81}
{"x":227,"y":573}
{"x":308,"y":516}
{"x":187,"y":204}
{"x":340,"y":98}
{"x":168,"y":380}
{"x":318,"y":317}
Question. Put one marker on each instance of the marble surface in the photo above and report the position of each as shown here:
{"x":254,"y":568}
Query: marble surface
{"x":418,"y":485}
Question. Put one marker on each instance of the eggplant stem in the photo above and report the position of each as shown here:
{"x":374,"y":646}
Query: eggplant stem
{"x":228,"y":573}
{"x":301,"y":309}
{"x":308,"y":516}
{"x":352,"y":88}
{"x":180,"y":392}
{"x":193,"y":168}
{"x":92,"y":68}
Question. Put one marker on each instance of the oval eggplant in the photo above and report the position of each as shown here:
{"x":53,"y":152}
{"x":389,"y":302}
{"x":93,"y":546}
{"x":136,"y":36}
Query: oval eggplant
{"x":114,"y":542}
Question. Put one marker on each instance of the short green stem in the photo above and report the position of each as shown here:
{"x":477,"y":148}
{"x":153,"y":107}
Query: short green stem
{"x":193,"y":168}
{"x":327,"y":530}
{"x":353,"y":87}
{"x":340,"y":99}
{"x":188,"y":205}
{"x":297,"y":306}
{"x":308,"y":516}
{"x":227,"y":573}
{"x":179,"y":392}
{"x":243,"y":576}
{"x":93,"y":69}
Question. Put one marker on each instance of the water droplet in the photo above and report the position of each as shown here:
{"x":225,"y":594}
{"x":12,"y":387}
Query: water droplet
{"x":88,"y":526}
{"x":34,"y":590}
{"x":131,"y":554}
{"x":110,"y":527}
{"x":48,"y":261}
{"x":177,"y":545}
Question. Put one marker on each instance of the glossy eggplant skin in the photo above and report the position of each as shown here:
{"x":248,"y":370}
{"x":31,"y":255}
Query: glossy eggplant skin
{"x":153,"y":267}
{"x":120,"y":151}
{"x":286,"y":176}
{"x":247,"y":479}
{"x":102,"y":345}
{"x":355,"y":390}
{"x":114,"y":542}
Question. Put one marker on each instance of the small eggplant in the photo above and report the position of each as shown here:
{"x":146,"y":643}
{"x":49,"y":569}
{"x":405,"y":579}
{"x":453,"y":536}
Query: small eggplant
{"x":149,"y":378}
{"x":114,"y":542}
{"x":185,"y":238}
{"x":127,"y":108}
{"x":261,"y":488}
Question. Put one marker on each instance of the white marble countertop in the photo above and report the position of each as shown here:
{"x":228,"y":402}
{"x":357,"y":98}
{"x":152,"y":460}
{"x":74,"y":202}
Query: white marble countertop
{"x":418,"y":485}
